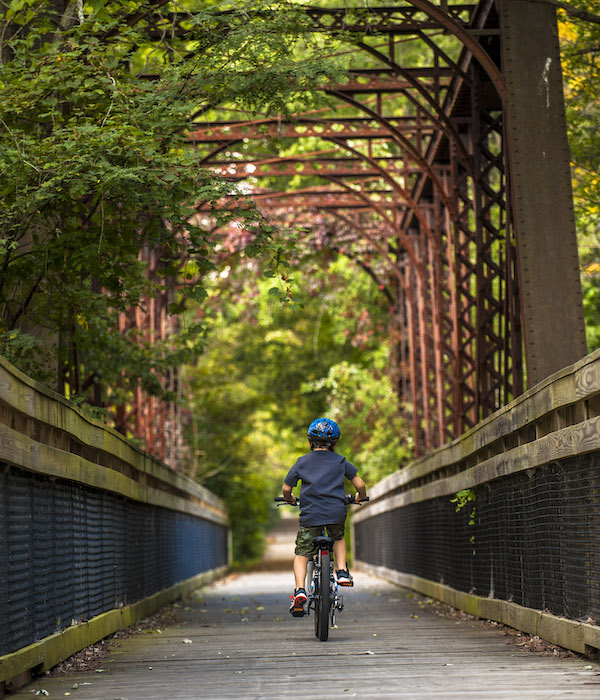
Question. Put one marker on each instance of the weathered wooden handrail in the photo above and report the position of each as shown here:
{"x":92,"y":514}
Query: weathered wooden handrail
{"x":548,"y":437}
{"x":39,"y":429}
{"x":554,"y":419}
{"x":51,"y":452}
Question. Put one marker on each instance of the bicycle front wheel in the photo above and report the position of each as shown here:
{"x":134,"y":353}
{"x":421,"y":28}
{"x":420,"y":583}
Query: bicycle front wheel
{"x":323,"y":601}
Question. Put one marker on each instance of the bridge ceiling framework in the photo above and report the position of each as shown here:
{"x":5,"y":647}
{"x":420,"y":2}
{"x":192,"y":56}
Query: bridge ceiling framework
{"x":418,"y":160}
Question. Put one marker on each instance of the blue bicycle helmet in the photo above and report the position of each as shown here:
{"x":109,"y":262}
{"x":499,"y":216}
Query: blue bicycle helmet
{"x":324,"y":430}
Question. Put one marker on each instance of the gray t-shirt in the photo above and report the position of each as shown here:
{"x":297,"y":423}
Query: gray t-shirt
{"x":322,"y":496}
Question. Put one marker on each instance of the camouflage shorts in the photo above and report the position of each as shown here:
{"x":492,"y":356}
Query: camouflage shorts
{"x":305,"y":536}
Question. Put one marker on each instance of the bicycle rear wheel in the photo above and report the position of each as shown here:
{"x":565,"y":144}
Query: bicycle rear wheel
{"x":323,"y":601}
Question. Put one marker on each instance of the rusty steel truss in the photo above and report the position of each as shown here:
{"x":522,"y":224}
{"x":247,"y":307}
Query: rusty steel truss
{"x":422,"y":159}
{"x":149,"y":418}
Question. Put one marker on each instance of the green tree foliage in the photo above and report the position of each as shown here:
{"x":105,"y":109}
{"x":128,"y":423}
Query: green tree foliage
{"x":363,"y":400}
{"x":580,"y":40}
{"x":95,"y":169}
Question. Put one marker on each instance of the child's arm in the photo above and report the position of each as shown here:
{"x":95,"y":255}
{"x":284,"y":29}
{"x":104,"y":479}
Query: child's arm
{"x":288,"y":495}
{"x":361,"y":489}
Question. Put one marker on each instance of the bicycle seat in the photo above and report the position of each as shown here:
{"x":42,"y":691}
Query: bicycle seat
{"x":321,"y":541}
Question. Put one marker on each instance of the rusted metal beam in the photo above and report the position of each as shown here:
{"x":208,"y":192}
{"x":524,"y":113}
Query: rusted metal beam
{"x":150,"y":419}
{"x":318,"y":199}
{"x":554,"y":327}
{"x":357,"y":128}
{"x":269,"y":160}
{"x":397,"y":20}
{"x":332,"y":168}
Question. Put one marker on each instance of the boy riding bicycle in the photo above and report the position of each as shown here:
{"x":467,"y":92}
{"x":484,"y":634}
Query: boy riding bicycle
{"x":323,"y":503}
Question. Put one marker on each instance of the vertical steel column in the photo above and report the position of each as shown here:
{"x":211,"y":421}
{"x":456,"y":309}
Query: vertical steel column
{"x":495,"y":278}
{"x":554,"y":329}
{"x":435,"y":253}
{"x":421,"y":316}
{"x":415,"y":361}
{"x":446,"y":318}
{"x":465,"y":275}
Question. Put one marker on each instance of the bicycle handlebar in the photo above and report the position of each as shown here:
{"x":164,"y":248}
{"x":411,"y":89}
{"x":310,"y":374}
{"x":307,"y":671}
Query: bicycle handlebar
{"x":280,"y":500}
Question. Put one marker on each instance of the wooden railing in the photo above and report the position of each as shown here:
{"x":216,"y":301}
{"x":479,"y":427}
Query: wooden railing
{"x":94,"y":533}
{"x":535,"y":457}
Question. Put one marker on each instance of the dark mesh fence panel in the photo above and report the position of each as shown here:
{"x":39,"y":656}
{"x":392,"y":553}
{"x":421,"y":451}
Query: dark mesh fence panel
{"x":536,"y":539}
{"x":69,"y":552}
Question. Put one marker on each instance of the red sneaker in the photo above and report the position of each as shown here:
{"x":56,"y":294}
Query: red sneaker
{"x":298,"y":600}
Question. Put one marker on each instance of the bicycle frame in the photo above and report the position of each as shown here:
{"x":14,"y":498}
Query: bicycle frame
{"x":314,"y":577}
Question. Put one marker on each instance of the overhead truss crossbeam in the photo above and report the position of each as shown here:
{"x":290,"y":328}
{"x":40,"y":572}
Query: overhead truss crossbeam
{"x":397,"y":20}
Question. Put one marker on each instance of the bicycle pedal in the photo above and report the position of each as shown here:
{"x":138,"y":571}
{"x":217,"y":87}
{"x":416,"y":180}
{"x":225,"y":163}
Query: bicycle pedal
{"x":346,"y":584}
{"x":298,"y":611}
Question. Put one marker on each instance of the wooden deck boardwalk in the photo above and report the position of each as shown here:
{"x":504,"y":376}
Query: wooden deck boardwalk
{"x":242,"y":643}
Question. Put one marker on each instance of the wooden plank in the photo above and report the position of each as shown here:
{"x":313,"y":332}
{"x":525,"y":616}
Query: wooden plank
{"x":389,"y":644}
{"x":569,"y":634}
{"x":20,"y":395}
{"x":52,"y":650}
{"x":568,"y":442}
{"x":21,"y":451}
{"x":572,"y":384}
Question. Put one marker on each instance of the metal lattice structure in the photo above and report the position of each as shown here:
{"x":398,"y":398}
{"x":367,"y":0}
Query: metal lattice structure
{"x":416,"y":159}
{"x":155,"y":421}
{"x":435,"y":156}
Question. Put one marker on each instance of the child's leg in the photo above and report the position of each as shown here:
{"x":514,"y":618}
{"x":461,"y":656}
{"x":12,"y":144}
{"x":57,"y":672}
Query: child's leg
{"x":339,"y":549}
{"x":304,"y":550}
{"x":300,"y":564}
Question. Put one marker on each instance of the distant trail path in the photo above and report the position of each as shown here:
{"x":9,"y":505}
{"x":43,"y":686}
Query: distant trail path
{"x":244,"y":644}
{"x":279,"y":553}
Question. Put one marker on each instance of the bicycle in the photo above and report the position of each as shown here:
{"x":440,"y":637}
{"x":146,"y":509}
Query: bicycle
{"x":321,"y":583}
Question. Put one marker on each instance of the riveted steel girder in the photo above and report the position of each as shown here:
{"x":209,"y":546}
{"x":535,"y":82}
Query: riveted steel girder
{"x":350,"y":128}
{"x":541,"y":183}
{"x":151,"y":419}
{"x":317,"y":167}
